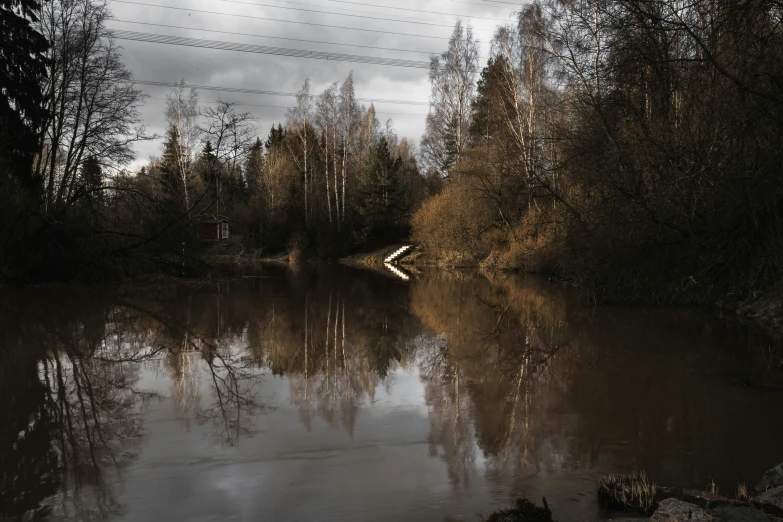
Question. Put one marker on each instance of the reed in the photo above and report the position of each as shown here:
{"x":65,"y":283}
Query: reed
{"x":627,"y":491}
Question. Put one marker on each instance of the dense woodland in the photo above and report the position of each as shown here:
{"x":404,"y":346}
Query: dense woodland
{"x":631,"y":145}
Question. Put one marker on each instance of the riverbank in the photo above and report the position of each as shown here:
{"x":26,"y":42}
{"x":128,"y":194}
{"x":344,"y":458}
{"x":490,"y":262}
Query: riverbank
{"x":633,"y":497}
{"x":635,"y":493}
{"x":764,"y":311}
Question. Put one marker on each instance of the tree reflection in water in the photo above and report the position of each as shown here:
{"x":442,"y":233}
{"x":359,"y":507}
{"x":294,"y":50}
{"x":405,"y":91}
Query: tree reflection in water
{"x":519,"y":380}
{"x":73,"y":403}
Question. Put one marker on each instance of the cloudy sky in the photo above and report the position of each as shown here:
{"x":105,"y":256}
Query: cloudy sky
{"x":412,"y":28}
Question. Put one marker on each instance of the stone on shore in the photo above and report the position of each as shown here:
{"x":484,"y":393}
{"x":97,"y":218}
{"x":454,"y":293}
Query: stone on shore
{"x":771,"y":479}
{"x":738,"y":514}
{"x":771,"y":499}
{"x":673,"y":510}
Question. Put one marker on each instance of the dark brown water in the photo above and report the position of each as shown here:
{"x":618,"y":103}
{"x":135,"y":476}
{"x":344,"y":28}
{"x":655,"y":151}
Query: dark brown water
{"x":339,"y":395}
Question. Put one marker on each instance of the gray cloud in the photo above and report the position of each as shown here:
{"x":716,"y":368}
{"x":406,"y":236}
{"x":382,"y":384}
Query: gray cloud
{"x":170,"y":63}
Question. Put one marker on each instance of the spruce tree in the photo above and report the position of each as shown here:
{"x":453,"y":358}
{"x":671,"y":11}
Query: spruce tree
{"x":170,"y":178}
{"x":254,"y":168}
{"x":207,"y":163}
{"x":382,"y":198}
{"x":275,"y":137}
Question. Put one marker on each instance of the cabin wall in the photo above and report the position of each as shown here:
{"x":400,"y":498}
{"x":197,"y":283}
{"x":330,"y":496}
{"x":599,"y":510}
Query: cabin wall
{"x":209,"y":231}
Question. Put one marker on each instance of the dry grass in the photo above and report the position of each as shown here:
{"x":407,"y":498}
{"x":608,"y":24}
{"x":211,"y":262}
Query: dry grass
{"x":712,"y":488}
{"x":742,"y":492}
{"x":626,"y":491}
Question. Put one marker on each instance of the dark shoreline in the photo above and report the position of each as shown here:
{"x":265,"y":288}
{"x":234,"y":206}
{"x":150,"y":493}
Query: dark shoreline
{"x":763,"y":313}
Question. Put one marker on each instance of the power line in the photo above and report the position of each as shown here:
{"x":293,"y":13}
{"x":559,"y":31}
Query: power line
{"x":338,"y":14}
{"x":499,"y":2}
{"x":320,"y":5}
{"x":268,"y":93}
{"x":263,"y":49}
{"x":485,"y":3}
{"x":274,"y":37}
{"x":412,"y":10}
{"x":278,"y":20}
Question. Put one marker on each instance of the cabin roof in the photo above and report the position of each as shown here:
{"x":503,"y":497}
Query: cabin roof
{"x":209,"y":218}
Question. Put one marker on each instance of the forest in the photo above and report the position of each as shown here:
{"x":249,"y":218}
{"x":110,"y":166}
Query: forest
{"x":631,"y":146}
{"x":327,"y":181}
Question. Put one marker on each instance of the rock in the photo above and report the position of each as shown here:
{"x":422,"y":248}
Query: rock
{"x":701,"y":498}
{"x":771,"y":500}
{"x":673,"y":510}
{"x":524,"y":511}
{"x":738,"y":514}
{"x":771,"y":479}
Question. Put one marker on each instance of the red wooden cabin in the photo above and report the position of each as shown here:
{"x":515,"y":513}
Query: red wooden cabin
{"x":212,"y":228}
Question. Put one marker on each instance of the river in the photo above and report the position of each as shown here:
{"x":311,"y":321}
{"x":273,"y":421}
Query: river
{"x":333,"y":394}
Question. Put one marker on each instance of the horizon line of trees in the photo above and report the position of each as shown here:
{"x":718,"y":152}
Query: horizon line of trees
{"x":329,"y":180}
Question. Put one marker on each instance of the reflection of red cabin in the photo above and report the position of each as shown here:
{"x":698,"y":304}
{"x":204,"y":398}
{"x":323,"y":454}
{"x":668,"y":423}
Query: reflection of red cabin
{"x":212,"y":228}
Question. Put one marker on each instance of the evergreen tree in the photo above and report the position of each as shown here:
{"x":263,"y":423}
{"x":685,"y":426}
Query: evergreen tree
{"x":207,"y":164}
{"x":254,"y":168}
{"x":487,"y":108}
{"x":382,"y":199}
{"x":275,"y":137}
{"x":92,"y":180}
{"x":169,"y":168}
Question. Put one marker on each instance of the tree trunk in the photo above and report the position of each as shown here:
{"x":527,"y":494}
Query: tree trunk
{"x":326,"y":175}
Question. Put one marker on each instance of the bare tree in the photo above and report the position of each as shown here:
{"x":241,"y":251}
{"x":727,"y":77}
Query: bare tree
{"x":327,"y":122}
{"x":526,"y":81}
{"x":231,"y":133}
{"x":182,"y":116}
{"x":299,"y":119}
{"x":349,"y":116}
{"x":90,"y":101}
{"x":453,"y":81}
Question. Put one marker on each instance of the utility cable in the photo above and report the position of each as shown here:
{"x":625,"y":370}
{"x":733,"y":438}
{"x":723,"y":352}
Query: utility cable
{"x":411,"y":10}
{"x":268,"y":93}
{"x":339,"y":14}
{"x":245,"y":16}
{"x":274,"y":37}
{"x":263,"y":49}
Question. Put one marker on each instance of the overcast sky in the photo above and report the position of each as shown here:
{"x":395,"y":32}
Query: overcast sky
{"x":425,"y":32}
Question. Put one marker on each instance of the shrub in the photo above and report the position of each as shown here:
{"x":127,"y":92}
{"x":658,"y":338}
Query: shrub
{"x":455,"y":223}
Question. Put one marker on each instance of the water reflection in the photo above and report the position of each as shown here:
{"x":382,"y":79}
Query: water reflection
{"x":439,"y":397}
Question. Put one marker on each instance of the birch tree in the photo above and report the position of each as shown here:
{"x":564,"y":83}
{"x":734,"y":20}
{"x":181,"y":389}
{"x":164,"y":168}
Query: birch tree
{"x":349,"y":117}
{"x":182,"y":117}
{"x":299,"y":119}
{"x":327,"y":122}
{"x":453,"y":81}
{"x":523,"y":72}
